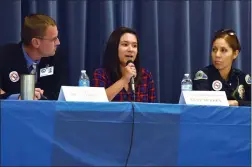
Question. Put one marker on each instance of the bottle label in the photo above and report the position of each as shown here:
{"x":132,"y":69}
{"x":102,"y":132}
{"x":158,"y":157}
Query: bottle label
{"x":186,"y":87}
{"x":84,"y":83}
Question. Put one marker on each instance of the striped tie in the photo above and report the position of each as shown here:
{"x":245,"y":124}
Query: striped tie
{"x":34,"y":70}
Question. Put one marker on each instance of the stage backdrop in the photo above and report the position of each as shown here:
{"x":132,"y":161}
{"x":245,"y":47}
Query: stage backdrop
{"x":175,"y":36}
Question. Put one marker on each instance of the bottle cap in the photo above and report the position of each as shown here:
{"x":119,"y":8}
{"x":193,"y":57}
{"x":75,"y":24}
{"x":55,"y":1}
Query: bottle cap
{"x":187,"y":75}
{"x":83,"y":71}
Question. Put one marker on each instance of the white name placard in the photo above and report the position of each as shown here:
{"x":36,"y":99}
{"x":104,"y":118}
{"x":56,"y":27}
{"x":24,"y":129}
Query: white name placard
{"x":82,"y":94}
{"x":215,"y":98}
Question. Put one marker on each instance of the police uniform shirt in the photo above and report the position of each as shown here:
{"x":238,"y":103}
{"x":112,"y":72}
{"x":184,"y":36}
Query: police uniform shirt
{"x":237,"y":86}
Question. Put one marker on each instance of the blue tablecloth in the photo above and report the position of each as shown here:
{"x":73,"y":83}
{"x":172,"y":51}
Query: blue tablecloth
{"x":47,"y":133}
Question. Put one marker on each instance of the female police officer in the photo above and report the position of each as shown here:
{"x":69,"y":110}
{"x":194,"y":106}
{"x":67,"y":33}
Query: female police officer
{"x":221,"y":76}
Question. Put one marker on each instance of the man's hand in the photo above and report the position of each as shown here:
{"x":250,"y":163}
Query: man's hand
{"x":1,"y":91}
{"x":233,"y":103}
{"x":37,"y":93}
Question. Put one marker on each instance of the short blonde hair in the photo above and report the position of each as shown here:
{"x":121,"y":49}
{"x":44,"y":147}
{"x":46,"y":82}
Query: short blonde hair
{"x":35,"y":25}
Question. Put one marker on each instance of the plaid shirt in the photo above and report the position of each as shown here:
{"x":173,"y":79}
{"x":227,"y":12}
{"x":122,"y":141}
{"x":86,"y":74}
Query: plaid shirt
{"x":145,"y":92}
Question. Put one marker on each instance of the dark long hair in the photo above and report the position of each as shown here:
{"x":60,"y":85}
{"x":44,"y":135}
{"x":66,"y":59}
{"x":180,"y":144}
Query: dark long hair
{"x":111,"y":61}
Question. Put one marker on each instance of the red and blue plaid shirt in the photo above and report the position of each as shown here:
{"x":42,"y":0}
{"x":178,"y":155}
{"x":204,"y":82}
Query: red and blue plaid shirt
{"x":145,"y":91}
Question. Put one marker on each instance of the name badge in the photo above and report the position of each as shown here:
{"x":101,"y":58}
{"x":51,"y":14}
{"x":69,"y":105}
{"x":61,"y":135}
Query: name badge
{"x":46,"y":71}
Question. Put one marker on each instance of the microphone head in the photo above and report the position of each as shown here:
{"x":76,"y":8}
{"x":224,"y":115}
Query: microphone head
{"x":129,"y":61}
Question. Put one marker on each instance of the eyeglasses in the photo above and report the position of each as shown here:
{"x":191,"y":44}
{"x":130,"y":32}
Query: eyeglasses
{"x":227,"y":31}
{"x":231,"y":33}
{"x":51,"y":40}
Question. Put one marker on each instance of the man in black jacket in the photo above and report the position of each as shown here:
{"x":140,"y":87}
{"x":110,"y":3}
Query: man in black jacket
{"x":36,"y":53}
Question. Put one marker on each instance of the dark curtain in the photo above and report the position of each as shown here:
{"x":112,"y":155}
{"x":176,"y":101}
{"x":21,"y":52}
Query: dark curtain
{"x":175,"y":35}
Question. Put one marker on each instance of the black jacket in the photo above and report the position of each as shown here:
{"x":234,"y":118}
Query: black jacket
{"x":3,"y":96}
{"x":12,"y":62}
{"x":237,"y":87}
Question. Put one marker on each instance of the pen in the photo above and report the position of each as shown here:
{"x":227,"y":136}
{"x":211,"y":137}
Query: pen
{"x":43,"y":97}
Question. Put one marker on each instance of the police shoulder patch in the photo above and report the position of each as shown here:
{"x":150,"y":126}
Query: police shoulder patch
{"x":248,"y":79}
{"x":200,"y":75}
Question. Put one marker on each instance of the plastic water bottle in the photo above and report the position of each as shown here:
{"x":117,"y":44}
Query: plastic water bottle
{"x":84,"y":79}
{"x":186,"y":83}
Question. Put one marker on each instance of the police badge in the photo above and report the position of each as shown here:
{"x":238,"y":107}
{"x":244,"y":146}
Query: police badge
{"x":248,"y":79}
{"x":239,"y":92}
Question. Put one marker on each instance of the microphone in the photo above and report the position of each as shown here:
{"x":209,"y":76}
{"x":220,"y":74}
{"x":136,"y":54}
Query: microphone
{"x":132,"y":81}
